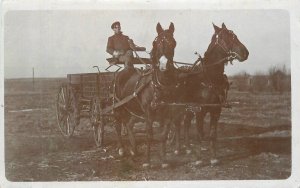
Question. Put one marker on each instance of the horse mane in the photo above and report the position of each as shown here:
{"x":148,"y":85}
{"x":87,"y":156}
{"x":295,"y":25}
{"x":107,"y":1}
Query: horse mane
{"x":153,"y":51}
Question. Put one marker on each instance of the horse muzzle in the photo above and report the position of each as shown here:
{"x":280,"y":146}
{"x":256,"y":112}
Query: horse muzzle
{"x":241,"y":54}
{"x":163,"y":61}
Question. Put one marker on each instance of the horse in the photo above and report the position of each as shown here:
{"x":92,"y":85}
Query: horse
{"x":149,"y":89}
{"x":207,"y":85}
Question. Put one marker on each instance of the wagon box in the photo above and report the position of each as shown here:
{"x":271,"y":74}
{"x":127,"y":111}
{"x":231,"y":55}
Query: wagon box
{"x":88,"y":85}
{"x":82,"y":95}
{"x":75,"y":98}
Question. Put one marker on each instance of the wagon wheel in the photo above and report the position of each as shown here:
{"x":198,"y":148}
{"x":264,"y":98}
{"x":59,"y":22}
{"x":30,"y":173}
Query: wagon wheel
{"x":97,"y":121}
{"x":171,"y":134}
{"x":67,"y":110}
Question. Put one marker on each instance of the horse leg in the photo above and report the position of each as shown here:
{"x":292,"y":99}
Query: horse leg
{"x":119,"y":137}
{"x":214,"y":118}
{"x":149,"y":131}
{"x":163,"y":141}
{"x":124,"y":131}
{"x":187,"y":123}
{"x":177,"y":136}
{"x":131,"y":136}
{"x":199,"y":125}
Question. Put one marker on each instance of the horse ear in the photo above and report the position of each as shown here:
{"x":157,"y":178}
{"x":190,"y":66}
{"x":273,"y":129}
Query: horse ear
{"x":159,"y":29}
{"x":224,"y":26}
{"x":217,"y":29}
{"x":171,"y":27}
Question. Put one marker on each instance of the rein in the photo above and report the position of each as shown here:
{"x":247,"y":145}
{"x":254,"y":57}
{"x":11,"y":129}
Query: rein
{"x":228,"y":58}
{"x":231,"y":55}
{"x":137,"y":55}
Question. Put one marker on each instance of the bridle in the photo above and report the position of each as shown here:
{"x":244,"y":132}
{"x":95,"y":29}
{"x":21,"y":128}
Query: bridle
{"x":227,"y":49}
{"x":164,"y":39}
{"x":231,"y":55}
{"x":156,"y":83}
{"x":160,"y":43}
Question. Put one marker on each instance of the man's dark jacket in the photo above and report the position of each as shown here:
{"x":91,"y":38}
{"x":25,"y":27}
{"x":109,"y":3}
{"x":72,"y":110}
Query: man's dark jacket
{"x":117,"y":42}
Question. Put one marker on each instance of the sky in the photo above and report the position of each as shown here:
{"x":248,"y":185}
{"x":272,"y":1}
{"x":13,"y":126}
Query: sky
{"x":60,"y":42}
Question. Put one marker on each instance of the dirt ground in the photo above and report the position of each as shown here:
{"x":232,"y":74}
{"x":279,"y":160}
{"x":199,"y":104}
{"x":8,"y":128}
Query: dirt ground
{"x":254,"y":142}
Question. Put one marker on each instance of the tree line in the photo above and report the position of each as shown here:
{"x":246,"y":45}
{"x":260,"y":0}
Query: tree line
{"x":277,"y":79}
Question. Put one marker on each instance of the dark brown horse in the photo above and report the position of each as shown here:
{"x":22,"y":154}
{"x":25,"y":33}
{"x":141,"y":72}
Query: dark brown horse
{"x":206,"y":84}
{"x":149,"y":88}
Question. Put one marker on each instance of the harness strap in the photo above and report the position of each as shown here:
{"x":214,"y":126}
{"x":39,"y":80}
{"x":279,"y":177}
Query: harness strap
{"x":124,"y":100}
{"x":205,"y":66}
{"x":143,"y":73}
{"x":134,"y":114}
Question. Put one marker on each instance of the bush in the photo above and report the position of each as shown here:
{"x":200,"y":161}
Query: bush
{"x":259,"y":82}
{"x":241,"y":81}
{"x":280,"y":79}
{"x":277,"y":79}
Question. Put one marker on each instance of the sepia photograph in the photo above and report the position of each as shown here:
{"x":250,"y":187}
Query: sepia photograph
{"x":149,"y":93}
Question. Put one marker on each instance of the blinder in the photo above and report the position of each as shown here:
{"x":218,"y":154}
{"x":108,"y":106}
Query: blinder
{"x":231,"y":55}
{"x":164,"y":40}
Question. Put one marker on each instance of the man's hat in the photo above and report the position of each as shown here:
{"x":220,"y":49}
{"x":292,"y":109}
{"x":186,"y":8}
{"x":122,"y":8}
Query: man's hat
{"x":115,"y":24}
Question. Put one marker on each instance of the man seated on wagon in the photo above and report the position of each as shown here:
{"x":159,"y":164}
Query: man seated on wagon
{"x":120,"y":46}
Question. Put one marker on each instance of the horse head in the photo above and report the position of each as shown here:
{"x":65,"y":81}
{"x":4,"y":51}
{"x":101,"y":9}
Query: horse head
{"x":163,"y":48}
{"x":228,"y":43}
{"x":224,"y":47}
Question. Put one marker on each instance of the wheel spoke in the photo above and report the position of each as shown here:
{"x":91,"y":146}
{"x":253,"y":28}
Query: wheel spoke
{"x":61,"y":107}
{"x":68,"y":125}
{"x":171,"y":134}
{"x":66,"y":109}
{"x":60,"y":118}
{"x":96,"y":121}
{"x":98,"y":133}
{"x":62,"y":95}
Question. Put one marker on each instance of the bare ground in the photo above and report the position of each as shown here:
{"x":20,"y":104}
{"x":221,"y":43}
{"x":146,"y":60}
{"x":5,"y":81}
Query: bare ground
{"x":254,"y":142}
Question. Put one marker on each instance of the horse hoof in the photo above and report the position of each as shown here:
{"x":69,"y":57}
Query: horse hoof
{"x":176,"y":152}
{"x":146,"y":165}
{"x":199,"y":162}
{"x":132,"y":153}
{"x":214,"y":162}
{"x":164,"y":165}
{"x":121,"y":152}
{"x":188,"y":151}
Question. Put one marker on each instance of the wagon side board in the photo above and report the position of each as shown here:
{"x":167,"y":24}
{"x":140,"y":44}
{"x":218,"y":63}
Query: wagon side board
{"x":88,"y":85}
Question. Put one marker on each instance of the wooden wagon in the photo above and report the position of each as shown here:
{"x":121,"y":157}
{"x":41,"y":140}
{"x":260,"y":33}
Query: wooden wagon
{"x":81,"y":97}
